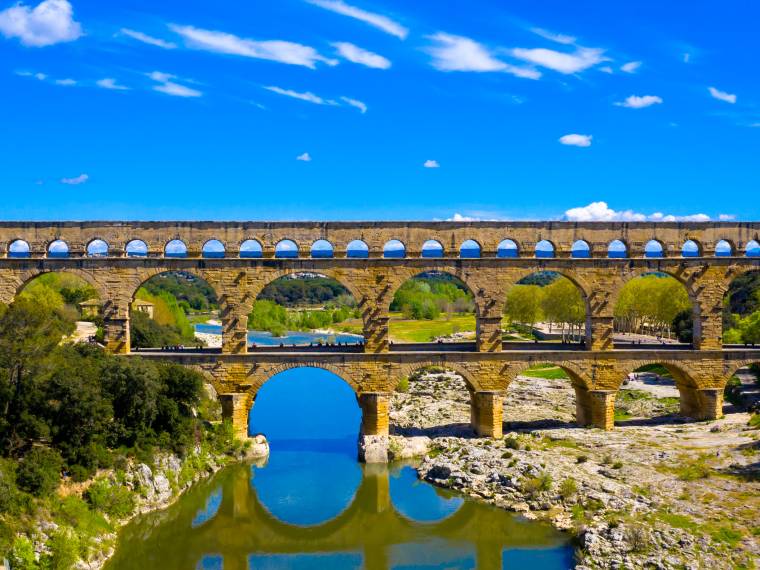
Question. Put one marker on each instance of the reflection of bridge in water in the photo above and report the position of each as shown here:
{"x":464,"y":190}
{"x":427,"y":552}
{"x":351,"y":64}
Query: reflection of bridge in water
{"x":718,"y":253}
{"x":371,"y":525}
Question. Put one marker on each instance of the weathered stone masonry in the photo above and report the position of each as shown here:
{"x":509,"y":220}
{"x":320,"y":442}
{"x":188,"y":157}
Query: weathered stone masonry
{"x":597,"y":373}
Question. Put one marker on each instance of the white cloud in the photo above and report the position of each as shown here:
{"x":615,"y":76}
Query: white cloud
{"x":639,"y":102}
{"x":607,"y":69}
{"x":356,"y":54}
{"x":303,"y":96}
{"x":567,"y":63}
{"x":271,"y":50}
{"x":458,"y":53}
{"x":305,"y":157}
{"x":355,"y":103}
{"x":686,"y":57}
{"x":146,"y":39}
{"x":601,"y":212}
{"x":50,"y":22}
{"x":110,"y":83}
{"x":457,"y":217}
{"x":726,"y":217}
{"x":432,"y":164}
{"x":722,"y":95}
{"x":631,"y":66}
{"x":81,"y":179}
{"x":378,"y":21}
{"x":576,"y":140}
{"x":559,"y":38}
{"x":65,"y":82}
{"x":169,"y":87}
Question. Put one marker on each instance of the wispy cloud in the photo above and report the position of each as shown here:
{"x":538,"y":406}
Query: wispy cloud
{"x":167,"y":86}
{"x":146,"y":39}
{"x":631,"y":66}
{"x":271,"y":50}
{"x":355,"y":54}
{"x":432,"y":164}
{"x":303,"y":96}
{"x":567,"y":63}
{"x":601,"y":212}
{"x":378,"y":21}
{"x":50,"y":22}
{"x":458,"y":53}
{"x":66,"y":82}
{"x":559,"y":38}
{"x":110,"y":83}
{"x":722,"y":95}
{"x":576,"y":140}
{"x":305,"y":157}
{"x":39,"y":76}
{"x":76,"y":180}
{"x":639,"y":102}
{"x":355,"y":103}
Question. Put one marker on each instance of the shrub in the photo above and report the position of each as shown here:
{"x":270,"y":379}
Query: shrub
{"x":617,"y":465}
{"x":111,"y":499}
{"x":403,"y":385}
{"x":511,"y":443}
{"x":568,"y":488}
{"x":532,"y":486}
{"x":754,"y":421}
{"x":581,"y":459}
{"x":40,"y":471}
{"x":22,"y":555}
{"x":64,"y":550}
{"x":637,"y":538}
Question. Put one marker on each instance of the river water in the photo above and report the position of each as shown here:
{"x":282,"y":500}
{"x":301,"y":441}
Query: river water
{"x":263,"y":338}
{"x":313,"y":506}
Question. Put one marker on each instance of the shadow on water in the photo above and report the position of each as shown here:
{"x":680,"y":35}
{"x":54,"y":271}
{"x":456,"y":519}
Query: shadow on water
{"x":313,"y":506}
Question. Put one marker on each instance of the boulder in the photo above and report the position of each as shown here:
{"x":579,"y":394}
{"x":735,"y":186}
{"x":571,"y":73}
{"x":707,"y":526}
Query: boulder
{"x":373,"y":448}
{"x":258,"y":447}
{"x":408,"y":447}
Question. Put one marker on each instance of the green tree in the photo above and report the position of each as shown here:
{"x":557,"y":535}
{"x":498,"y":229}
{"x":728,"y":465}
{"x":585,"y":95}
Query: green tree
{"x":133,"y":386}
{"x":39,"y":472}
{"x":524,"y":304}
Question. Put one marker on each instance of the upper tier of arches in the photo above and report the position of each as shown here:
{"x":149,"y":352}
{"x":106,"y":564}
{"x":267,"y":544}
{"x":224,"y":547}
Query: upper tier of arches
{"x":394,"y":248}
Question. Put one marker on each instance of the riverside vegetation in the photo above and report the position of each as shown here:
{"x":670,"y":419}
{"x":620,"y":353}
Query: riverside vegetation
{"x":88,"y":439}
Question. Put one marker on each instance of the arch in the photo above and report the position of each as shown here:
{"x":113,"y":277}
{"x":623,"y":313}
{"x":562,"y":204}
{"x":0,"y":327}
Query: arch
{"x":724,"y":248}
{"x":580,"y":250}
{"x":357,"y":249}
{"x":19,"y":249}
{"x":286,"y":249}
{"x":470,"y":249}
{"x":545,"y":249}
{"x":740,"y":305}
{"x":654,"y":249}
{"x":175,"y":248}
{"x":394,"y":249}
{"x":507,"y":248}
{"x":576,"y":375}
{"x":82,"y":274}
{"x":322,"y":249}
{"x":251,"y":248}
{"x":213,"y":249}
{"x":470,"y":379}
{"x":752,"y":249}
{"x":58,"y":248}
{"x":617,"y":249}
{"x":97,"y":248}
{"x":430,"y":506}
{"x":432,"y":249}
{"x":266,"y":373}
{"x":691,"y":248}
{"x":136,"y":248}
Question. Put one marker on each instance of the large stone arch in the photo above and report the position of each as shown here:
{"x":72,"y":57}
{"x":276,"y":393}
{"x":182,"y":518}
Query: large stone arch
{"x":23,"y":278}
{"x":265,"y":372}
{"x":470,"y":378}
{"x":578,"y":376}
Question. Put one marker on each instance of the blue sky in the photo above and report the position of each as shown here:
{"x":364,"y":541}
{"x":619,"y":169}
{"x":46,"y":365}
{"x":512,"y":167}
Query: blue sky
{"x":379,"y":109}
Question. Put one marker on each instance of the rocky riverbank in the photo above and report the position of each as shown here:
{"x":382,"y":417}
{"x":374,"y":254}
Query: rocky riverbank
{"x":657,"y":492}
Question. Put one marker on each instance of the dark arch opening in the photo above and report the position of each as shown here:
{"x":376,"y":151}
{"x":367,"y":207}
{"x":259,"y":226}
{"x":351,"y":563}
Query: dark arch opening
{"x":653,"y":393}
{"x":545,"y":249}
{"x":433,"y":306}
{"x":136,"y":248}
{"x":175,"y":309}
{"x":507,"y":248}
{"x":322,"y":249}
{"x":286,"y":249}
{"x":653,"y":309}
{"x":251,"y":248}
{"x":654,"y":249}
{"x":305,"y":309}
{"x":432,"y":249}
{"x":470,"y":249}
{"x":741,"y":310}
{"x":617,"y":249}
{"x":753,"y":249}
{"x":545,"y":307}
{"x":690,"y":248}
{"x":315,"y":441}
{"x":724,"y":249}
{"x":581,"y":250}
{"x":175,"y":248}
{"x":394,"y":249}
{"x":357,"y":249}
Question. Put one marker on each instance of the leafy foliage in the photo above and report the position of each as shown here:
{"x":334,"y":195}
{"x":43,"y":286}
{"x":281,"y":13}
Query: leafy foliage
{"x":40,"y":471}
{"x":427,"y":296}
{"x":302,"y":289}
{"x":650,"y":304}
{"x":188,"y":290}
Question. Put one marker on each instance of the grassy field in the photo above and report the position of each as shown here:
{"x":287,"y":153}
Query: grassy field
{"x":546,"y":371}
{"x":402,"y":330}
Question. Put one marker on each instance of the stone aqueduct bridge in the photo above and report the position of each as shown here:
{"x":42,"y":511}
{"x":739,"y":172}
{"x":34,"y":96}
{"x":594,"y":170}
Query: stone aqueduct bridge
{"x":597,"y":372}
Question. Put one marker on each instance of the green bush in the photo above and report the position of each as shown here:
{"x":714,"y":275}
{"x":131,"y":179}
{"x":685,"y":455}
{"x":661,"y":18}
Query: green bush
{"x":110,"y":498}
{"x":22,"y":555}
{"x":403,"y":385}
{"x":39,"y":473}
{"x":568,"y":488}
{"x":511,"y":443}
{"x":64,"y":550}
{"x":532,"y":486}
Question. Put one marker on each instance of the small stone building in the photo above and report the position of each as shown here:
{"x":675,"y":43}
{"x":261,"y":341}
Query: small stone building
{"x":143,"y":306}
{"x":90,"y":308}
